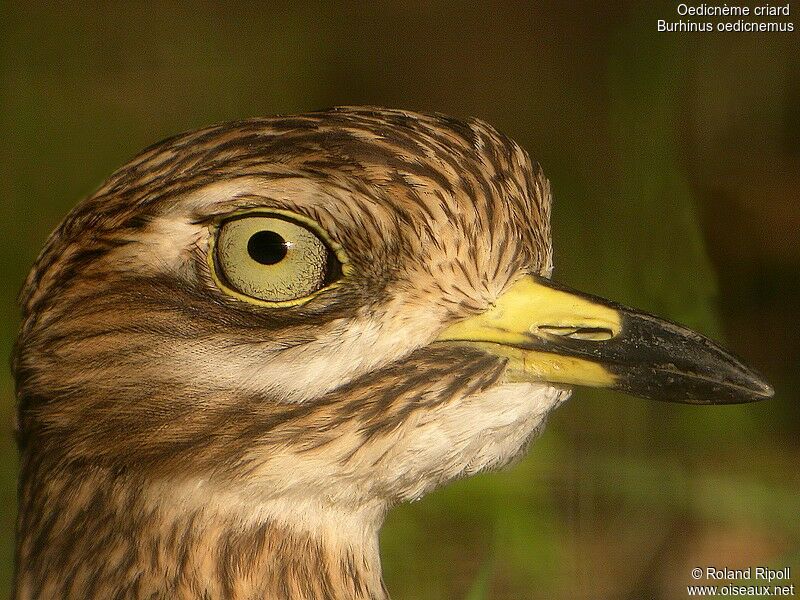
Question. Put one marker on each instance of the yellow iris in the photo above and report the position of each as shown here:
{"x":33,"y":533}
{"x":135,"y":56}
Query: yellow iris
{"x":269,"y":259}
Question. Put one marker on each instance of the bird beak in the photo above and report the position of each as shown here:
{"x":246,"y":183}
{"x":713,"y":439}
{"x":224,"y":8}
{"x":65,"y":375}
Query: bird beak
{"x":551,"y":333}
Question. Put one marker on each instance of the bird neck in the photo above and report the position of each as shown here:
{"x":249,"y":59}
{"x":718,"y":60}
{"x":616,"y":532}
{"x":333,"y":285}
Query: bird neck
{"x":94,"y":535}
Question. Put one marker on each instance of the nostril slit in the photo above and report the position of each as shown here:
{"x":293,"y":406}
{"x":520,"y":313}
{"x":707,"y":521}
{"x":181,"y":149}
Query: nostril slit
{"x":589,"y":334}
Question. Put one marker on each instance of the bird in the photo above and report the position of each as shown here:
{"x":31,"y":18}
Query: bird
{"x":256,"y":338}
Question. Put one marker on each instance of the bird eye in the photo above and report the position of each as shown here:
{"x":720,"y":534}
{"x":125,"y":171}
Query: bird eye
{"x":273,"y":258}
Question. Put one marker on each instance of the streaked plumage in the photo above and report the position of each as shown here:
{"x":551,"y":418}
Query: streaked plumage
{"x":178,"y":442}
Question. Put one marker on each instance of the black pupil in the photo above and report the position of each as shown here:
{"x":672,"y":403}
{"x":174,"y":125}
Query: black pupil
{"x":267,"y":247}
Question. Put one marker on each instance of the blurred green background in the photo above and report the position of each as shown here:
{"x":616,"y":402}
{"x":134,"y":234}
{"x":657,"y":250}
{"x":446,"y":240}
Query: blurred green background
{"x":675,"y":163}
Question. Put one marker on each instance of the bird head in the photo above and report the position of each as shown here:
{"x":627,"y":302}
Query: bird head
{"x":349,"y":307}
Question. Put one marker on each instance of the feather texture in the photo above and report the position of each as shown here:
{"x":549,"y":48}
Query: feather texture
{"x":179,"y":442}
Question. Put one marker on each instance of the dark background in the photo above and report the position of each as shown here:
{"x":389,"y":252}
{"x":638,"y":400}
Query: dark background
{"x":675,"y":163}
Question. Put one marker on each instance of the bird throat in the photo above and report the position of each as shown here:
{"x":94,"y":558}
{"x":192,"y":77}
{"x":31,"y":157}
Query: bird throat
{"x":112,"y":536}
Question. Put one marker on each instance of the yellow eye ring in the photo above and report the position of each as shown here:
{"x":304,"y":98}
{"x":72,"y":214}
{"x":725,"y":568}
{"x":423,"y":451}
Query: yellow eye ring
{"x":274,"y":258}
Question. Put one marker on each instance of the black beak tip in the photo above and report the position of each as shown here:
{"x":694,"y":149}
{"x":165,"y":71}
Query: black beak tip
{"x":747,"y":386}
{"x":730,"y":383}
{"x":745,"y":382}
{"x":760,"y":389}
